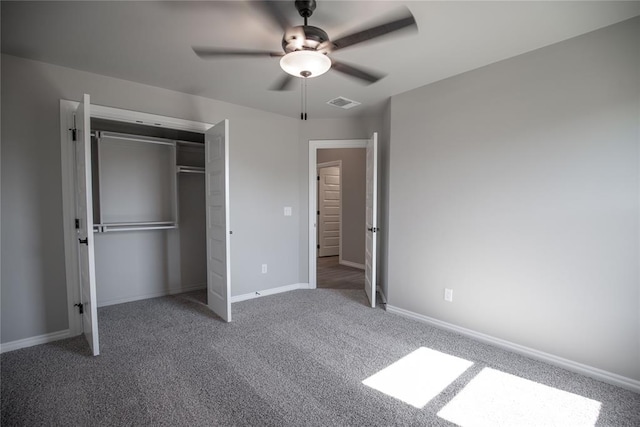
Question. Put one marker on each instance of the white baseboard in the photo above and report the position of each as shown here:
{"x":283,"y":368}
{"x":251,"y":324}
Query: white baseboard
{"x":31,"y":341}
{"x":570,"y":365}
{"x":152,"y":295}
{"x":351,"y":264}
{"x":271,"y":291}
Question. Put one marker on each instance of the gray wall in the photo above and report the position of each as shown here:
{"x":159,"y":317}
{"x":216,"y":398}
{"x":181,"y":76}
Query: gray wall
{"x":264,"y":156}
{"x":354,"y":168}
{"x":517,"y":185}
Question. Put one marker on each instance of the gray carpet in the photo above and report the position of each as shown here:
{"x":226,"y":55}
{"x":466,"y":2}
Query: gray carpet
{"x":294,"y":359}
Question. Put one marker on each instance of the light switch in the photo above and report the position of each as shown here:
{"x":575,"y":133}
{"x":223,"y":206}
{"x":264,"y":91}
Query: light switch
{"x":287,"y":211}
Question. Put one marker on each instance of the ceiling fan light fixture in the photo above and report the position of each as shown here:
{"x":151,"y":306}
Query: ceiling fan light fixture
{"x":305,"y":63}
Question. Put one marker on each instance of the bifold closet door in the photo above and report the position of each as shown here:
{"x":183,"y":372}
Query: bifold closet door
{"x":371,"y":220}
{"x":218,"y":230}
{"x":84,"y":215}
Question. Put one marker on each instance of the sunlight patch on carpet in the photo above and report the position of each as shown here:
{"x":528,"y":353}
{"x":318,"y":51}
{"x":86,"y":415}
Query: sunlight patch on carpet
{"x":419,"y":376}
{"x":498,"y":399}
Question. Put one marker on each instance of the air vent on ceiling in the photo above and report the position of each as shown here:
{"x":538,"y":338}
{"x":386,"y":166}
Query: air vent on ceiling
{"x":343,"y":102}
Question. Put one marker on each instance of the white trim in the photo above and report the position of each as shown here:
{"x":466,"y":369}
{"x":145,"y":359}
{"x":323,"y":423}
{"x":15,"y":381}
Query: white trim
{"x":314,"y":146}
{"x":140,"y":118}
{"x":152,"y":295}
{"x":338,"y":164}
{"x":271,"y":291}
{"x":351,"y":264}
{"x":570,"y":365}
{"x":31,"y":341}
{"x":67,"y":108}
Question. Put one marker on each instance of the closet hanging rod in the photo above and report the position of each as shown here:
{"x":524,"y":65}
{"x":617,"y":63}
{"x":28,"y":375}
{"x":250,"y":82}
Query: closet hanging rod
{"x":160,"y":227}
{"x":142,"y":224}
{"x":135,"y":138}
{"x":190,"y":169}
{"x":191,"y":143}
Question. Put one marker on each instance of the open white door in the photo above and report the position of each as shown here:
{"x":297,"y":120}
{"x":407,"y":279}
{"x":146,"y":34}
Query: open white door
{"x":371,"y":220}
{"x":84,"y":228}
{"x":218,"y":232}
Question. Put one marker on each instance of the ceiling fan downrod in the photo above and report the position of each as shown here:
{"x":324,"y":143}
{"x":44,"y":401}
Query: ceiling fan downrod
{"x":305,"y":8}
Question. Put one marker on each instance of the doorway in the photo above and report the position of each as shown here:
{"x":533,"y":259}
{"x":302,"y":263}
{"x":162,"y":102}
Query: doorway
{"x":354,"y":266}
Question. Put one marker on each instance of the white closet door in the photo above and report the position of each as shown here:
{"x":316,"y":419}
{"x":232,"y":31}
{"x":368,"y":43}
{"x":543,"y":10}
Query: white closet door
{"x":218,"y":230}
{"x":84,"y":214}
{"x":371,"y":220}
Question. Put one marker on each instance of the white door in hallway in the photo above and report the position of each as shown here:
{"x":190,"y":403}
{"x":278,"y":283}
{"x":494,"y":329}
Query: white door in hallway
{"x":84,"y":225}
{"x":218,"y":228}
{"x":329,"y":211}
{"x":371,"y":220}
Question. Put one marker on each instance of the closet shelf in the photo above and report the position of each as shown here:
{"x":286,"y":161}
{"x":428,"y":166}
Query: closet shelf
{"x":190,"y":169}
{"x":134,"y":226}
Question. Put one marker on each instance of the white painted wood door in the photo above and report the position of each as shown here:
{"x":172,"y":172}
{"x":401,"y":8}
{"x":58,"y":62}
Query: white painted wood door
{"x":371,"y":208}
{"x":329,"y":220}
{"x":84,"y":214}
{"x":218,"y":230}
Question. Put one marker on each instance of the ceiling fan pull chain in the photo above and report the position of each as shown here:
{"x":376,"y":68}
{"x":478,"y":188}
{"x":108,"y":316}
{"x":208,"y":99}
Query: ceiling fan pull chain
{"x":305,"y":97}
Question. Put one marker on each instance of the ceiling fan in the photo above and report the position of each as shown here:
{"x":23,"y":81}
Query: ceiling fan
{"x":306,"y":48}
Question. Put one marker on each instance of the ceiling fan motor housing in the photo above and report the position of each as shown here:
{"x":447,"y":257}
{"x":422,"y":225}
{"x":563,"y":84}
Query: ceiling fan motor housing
{"x":306,"y":7}
{"x":313,"y":38}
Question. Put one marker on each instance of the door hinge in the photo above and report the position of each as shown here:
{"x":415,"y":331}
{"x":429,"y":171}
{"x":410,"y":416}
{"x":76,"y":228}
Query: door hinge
{"x":74,"y":130}
{"x":77,"y":224}
{"x":318,"y":177}
{"x":84,"y":241}
{"x":80,"y":307}
{"x":318,"y":213}
{"x":318,"y":246}
{"x":373,"y":229}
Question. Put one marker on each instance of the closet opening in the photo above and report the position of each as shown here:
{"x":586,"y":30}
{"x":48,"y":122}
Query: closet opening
{"x":145,"y":210}
{"x":148,"y":211}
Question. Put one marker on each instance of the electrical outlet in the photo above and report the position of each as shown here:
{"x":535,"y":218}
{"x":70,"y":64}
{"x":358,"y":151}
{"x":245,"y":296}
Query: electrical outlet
{"x":448,"y":294}
{"x":264,"y":268}
{"x":287,"y":211}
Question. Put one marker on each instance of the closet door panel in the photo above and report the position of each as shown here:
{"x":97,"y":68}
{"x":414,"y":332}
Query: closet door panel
{"x":218,"y":226}
{"x":84,"y":218}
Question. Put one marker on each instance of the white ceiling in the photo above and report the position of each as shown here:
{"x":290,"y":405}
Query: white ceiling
{"x":150,"y":42}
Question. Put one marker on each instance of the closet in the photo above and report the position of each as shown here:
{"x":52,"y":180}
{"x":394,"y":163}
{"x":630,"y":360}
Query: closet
{"x":148,"y":211}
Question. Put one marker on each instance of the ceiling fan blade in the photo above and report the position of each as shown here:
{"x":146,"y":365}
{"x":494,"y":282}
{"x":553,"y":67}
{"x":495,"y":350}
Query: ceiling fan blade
{"x":214,"y":52}
{"x":406,"y":21}
{"x":284,"y":83}
{"x":273,"y":11}
{"x":357,"y":72}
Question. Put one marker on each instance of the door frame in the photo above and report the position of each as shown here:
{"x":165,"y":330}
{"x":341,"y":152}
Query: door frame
{"x":337,"y":163}
{"x":67,"y":109}
{"x":314,"y":146}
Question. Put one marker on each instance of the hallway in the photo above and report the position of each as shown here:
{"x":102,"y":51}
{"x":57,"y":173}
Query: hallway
{"x":333,"y":275}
